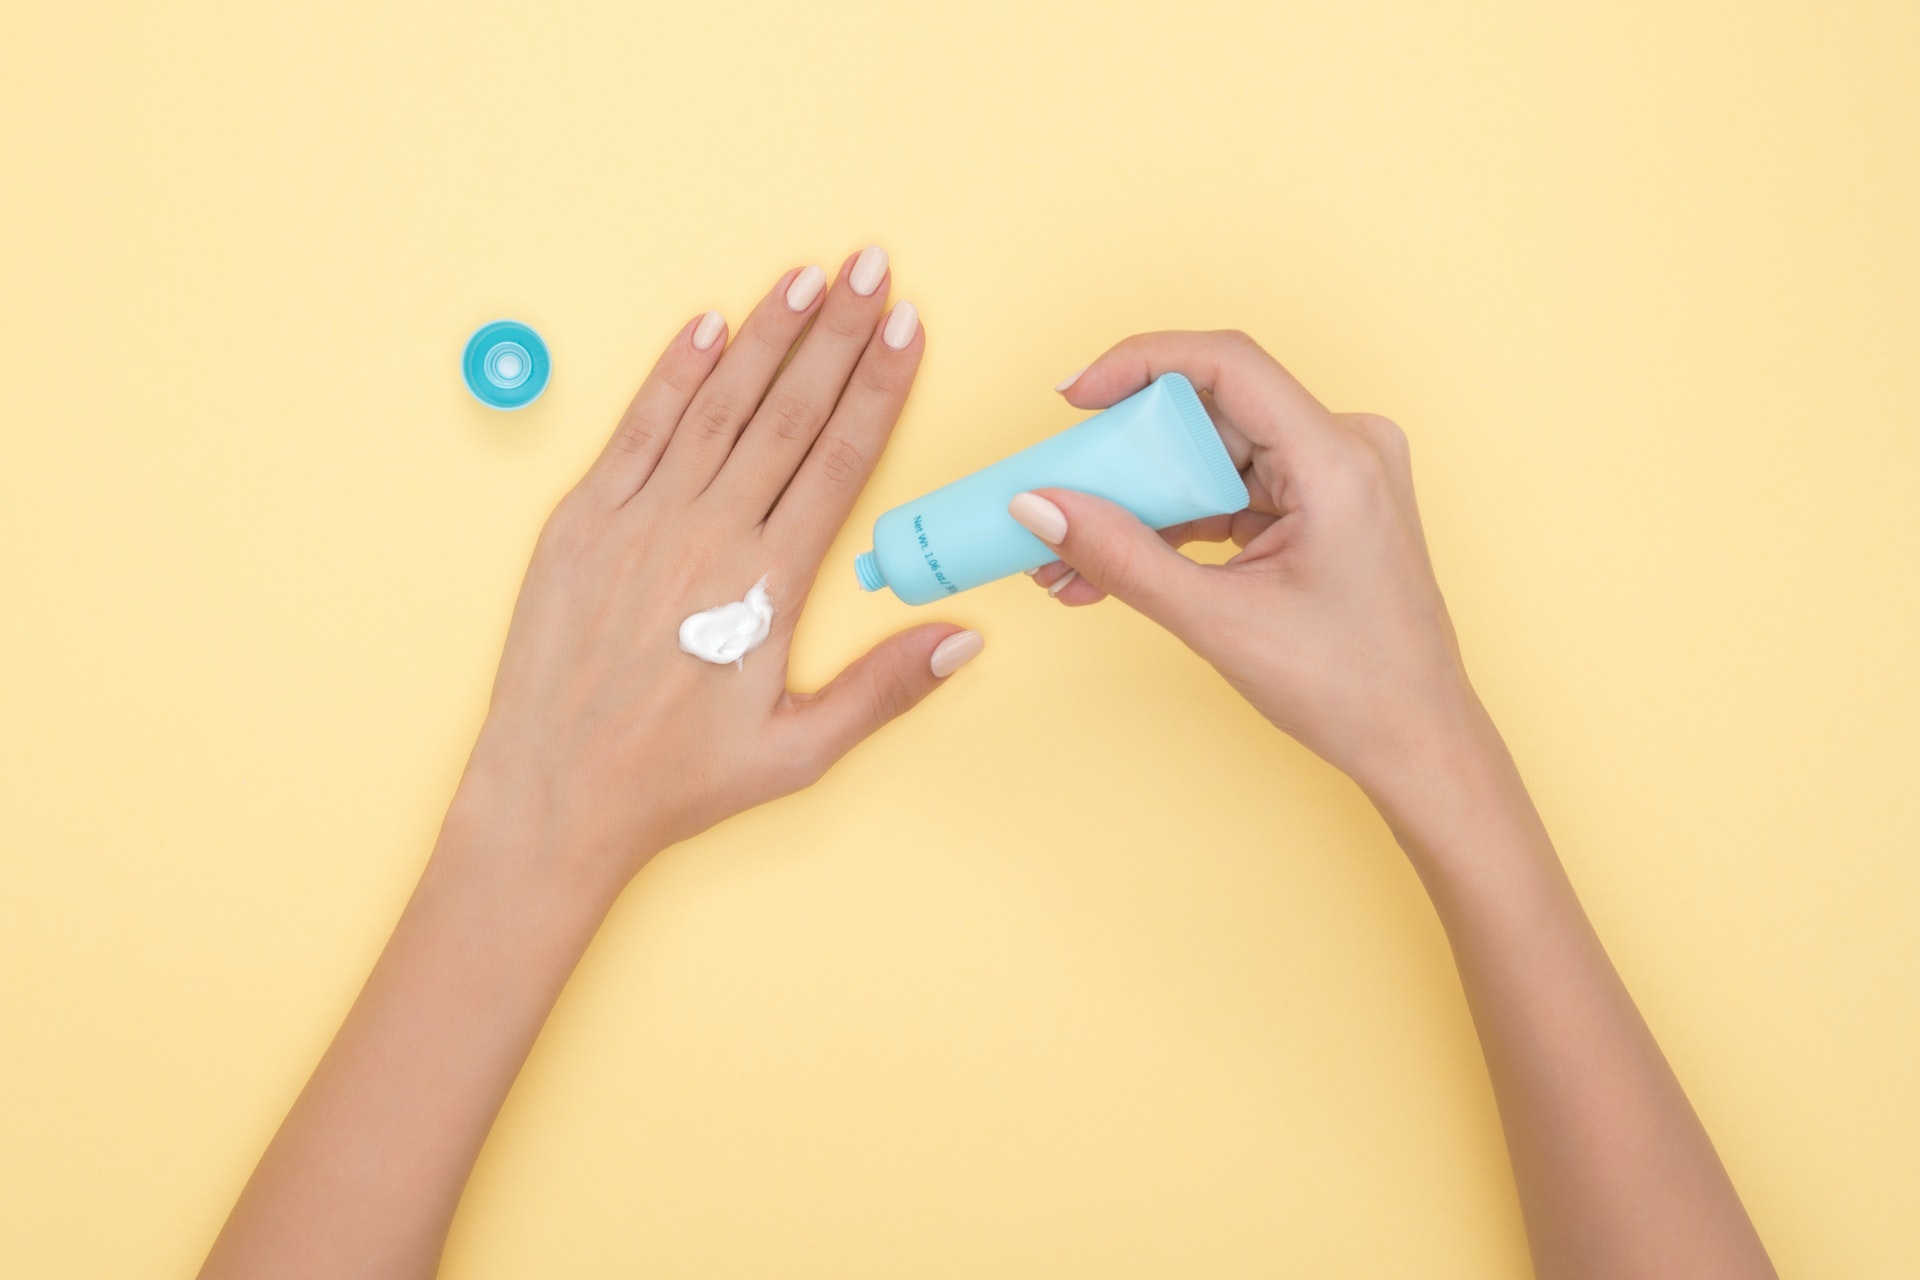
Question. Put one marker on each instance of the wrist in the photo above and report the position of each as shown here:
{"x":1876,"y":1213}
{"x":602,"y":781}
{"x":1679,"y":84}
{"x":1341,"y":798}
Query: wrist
{"x":489,"y":847}
{"x":1454,"y":798}
{"x":509,"y":825}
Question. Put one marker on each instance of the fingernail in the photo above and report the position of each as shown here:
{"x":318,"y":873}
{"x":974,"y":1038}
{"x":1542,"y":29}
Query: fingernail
{"x":955,"y":652}
{"x":1071,"y":378}
{"x":900,"y":327}
{"x":707,"y":330}
{"x":1062,"y":581}
{"x":1031,"y":572}
{"x":1039,"y":517}
{"x":805,"y":288}
{"x":869,"y":269}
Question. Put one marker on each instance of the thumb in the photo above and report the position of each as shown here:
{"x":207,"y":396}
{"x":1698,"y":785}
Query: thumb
{"x":885,"y":682}
{"x":1113,"y":551}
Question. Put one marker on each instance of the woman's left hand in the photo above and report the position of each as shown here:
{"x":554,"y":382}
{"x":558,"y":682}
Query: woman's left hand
{"x":735,"y":462}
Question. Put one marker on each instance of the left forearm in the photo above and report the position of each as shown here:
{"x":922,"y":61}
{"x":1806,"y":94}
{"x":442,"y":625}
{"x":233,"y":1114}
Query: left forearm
{"x":604,"y":742}
{"x":367,"y":1168}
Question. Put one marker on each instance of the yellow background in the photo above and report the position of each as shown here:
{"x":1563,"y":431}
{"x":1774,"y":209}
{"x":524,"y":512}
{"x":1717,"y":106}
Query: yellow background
{"x":1082,"y":970}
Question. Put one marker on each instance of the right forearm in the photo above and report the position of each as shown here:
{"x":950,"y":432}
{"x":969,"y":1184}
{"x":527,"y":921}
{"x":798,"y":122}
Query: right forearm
{"x":1330,"y":621}
{"x":1616,"y":1175}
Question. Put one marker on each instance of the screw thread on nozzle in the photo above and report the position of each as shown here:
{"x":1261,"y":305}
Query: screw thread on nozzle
{"x":867,"y":569}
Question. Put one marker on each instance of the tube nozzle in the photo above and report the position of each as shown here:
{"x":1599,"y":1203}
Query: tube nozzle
{"x":867,"y":569}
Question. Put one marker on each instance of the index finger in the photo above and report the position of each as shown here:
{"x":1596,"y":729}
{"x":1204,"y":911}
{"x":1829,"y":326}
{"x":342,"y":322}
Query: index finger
{"x":1258,"y":396}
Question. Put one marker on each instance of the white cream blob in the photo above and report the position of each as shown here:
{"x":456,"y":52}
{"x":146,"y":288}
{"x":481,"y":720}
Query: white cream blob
{"x":729,"y":632}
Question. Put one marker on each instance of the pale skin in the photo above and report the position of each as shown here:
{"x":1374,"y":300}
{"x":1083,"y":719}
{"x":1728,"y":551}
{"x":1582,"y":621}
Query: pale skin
{"x":728,"y":466}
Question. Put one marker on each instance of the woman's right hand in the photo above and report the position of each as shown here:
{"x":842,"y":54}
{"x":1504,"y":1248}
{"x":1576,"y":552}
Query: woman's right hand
{"x":1329,"y":620}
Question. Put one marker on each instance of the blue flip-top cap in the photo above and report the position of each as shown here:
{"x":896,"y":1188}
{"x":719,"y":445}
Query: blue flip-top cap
{"x":505,"y":365}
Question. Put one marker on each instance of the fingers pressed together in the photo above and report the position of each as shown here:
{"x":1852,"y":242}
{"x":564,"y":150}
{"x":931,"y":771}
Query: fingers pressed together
{"x":764,"y":439}
{"x":778,"y":436}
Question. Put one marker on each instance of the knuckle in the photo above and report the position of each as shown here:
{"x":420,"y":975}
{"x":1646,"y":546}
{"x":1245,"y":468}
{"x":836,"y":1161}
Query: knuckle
{"x":841,"y":461}
{"x":679,"y":376}
{"x":771,"y":336}
{"x":846,"y":324}
{"x":636,"y":434}
{"x":893,"y":693}
{"x":1236,"y":338}
{"x":792,"y":416}
{"x":714,"y":417}
{"x":567,"y":533}
{"x":1388,"y":463}
{"x":881,"y":378}
{"x":1364,"y":458}
{"x":1363,"y":471}
{"x":1385,"y":434}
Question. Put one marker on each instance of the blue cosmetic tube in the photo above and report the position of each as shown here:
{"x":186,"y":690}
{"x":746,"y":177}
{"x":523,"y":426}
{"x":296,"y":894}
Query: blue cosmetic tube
{"x":1155,"y":453}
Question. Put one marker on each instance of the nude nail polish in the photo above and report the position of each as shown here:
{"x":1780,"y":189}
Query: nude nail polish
{"x":869,"y":269}
{"x":955,"y":652}
{"x":902,"y":323}
{"x":1039,"y":517}
{"x":805,"y":288}
{"x":1062,"y":581}
{"x":1071,"y":378}
{"x":707,"y":330}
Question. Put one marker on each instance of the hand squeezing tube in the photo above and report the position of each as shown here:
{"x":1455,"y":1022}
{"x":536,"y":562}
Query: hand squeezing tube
{"x":1155,"y":453}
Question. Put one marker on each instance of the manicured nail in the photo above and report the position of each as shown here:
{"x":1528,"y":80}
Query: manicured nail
{"x":1039,"y":517}
{"x":707,"y":330}
{"x":1062,"y":581}
{"x":805,"y":288}
{"x":900,"y":327}
{"x":869,"y":269}
{"x":1071,"y":378}
{"x":1031,"y":572}
{"x":956,"y":651}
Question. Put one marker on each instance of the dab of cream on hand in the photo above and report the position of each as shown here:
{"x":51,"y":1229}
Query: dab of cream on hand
{"x":729,"y":632}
